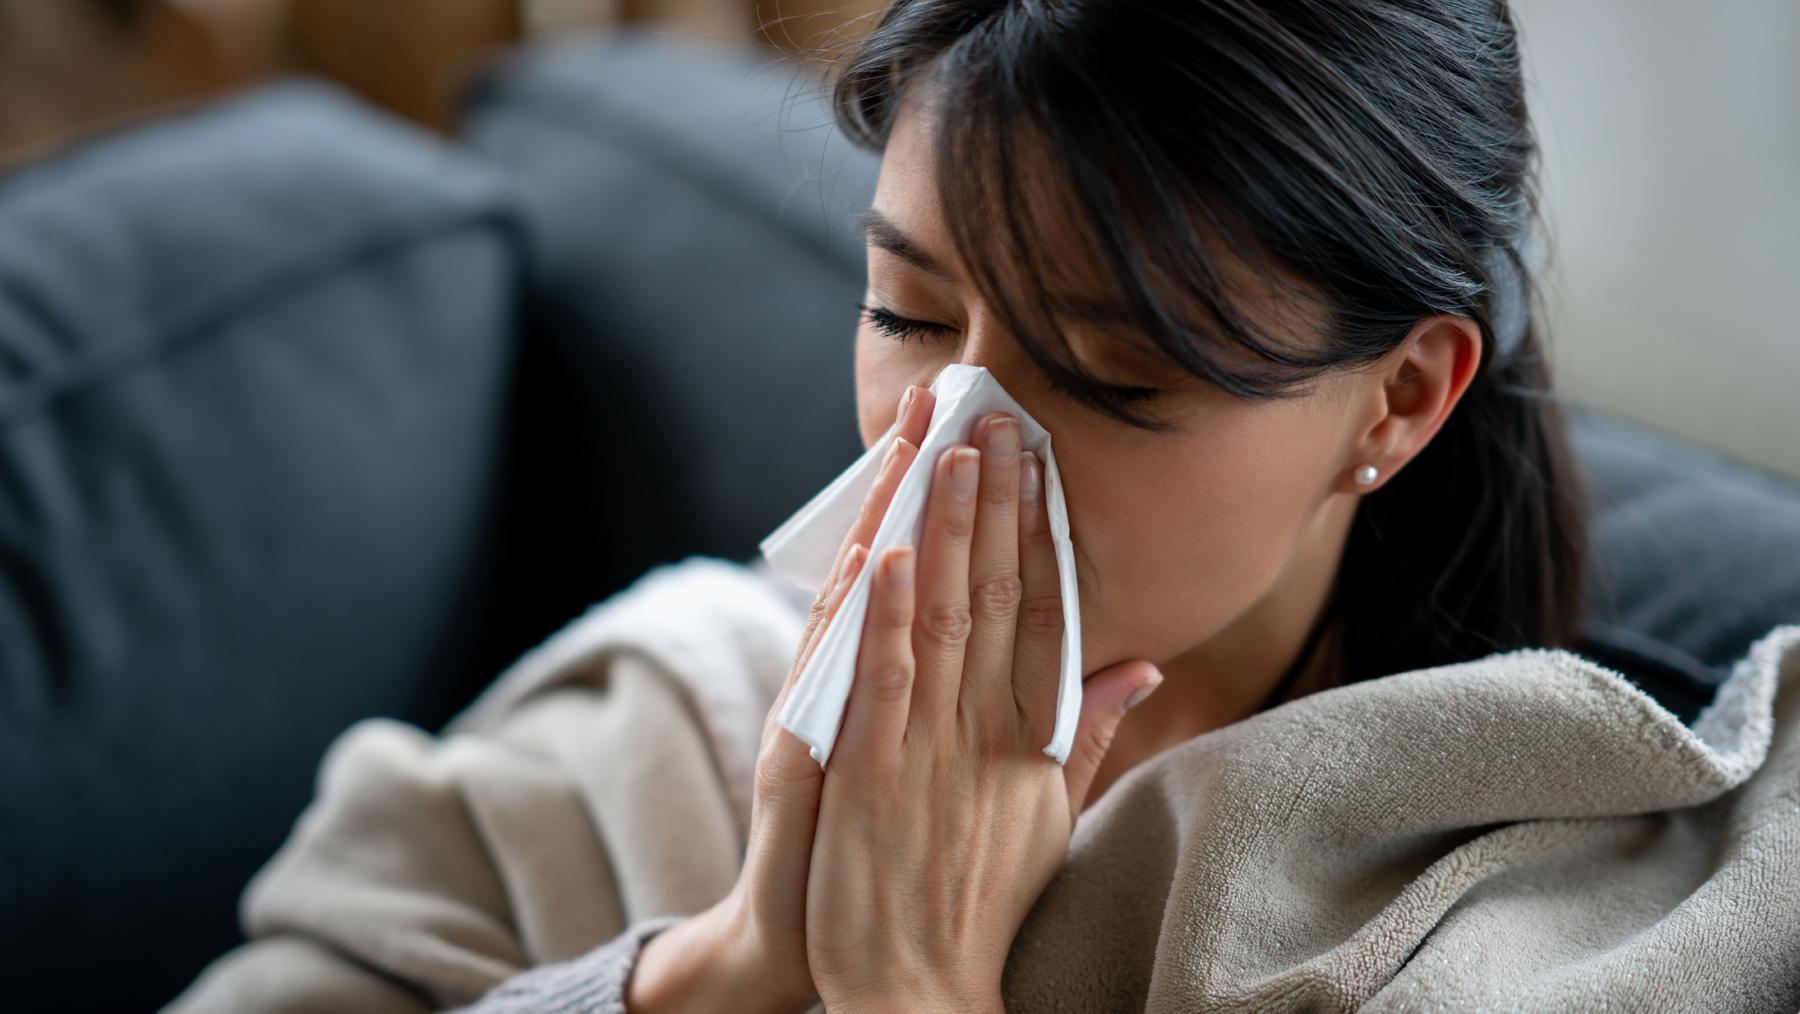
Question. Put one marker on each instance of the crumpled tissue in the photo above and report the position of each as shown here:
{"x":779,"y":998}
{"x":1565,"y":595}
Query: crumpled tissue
{"x":804,"y":547}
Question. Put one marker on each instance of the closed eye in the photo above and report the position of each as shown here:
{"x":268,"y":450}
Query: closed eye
{"x":908,"y":329}
{"x":901,"y":328}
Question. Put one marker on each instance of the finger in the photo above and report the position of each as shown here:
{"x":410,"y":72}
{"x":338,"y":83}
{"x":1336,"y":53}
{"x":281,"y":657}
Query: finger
{"x":916,"y":406}
{"x":1105,"y":697}
{"x":994,"y":585}
{"x":1037,"y":646}
{"x":840,"y":589}
{"x":784,"y":803}
{"x":881,"y":493}
{"x":875,"y":503}
{"x":942,"y":625}
{"x":876,"y":717}
{"x":913,"y":420}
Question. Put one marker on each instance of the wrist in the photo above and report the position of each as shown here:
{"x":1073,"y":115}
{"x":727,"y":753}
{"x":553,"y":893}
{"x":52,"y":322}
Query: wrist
{"x":912,"y":1002}
{"x":703,"y":963}
{"x":671,"y":973}
{"x":920,"y":994}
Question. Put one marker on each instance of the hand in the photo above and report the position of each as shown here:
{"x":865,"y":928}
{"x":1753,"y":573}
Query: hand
{"x":942,"y":819}
{"x":748,"y":951}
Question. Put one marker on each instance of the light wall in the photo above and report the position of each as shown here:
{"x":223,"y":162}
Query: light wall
{"x":1671,"y":134}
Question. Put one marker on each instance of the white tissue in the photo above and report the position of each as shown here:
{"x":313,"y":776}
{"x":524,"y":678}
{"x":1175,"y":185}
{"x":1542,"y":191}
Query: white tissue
{"x":803,"y":549}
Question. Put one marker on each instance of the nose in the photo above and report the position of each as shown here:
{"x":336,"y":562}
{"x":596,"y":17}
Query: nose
{"x":989,"y":347}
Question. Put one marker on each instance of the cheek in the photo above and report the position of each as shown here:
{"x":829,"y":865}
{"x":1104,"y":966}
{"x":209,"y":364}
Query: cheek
{"x":879,"y":384}
{"x":1184,"y":532}
{"x":884,"y":369}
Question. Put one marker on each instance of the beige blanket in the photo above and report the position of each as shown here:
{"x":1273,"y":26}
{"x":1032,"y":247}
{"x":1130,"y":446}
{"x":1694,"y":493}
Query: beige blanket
{"x":1523,"y":832}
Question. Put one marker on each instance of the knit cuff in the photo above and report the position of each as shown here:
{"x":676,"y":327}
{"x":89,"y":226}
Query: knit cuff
{"x":593,"y":983}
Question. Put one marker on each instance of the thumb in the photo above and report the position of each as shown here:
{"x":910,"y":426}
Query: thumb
{"x":1105,"y":697}
{"x":784,"y":816}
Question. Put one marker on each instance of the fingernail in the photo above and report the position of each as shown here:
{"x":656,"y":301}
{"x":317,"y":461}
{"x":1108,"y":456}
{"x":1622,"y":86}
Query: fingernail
{"x":965,"y":471}
{"x":1138,"y":695}
{"x":1031,"y":477}
{"x":893,"y":452}
{"x":906,"y":399}
{"x":1003,"y":440}
{"x":899,"y":568}
{"x":851,"y":562}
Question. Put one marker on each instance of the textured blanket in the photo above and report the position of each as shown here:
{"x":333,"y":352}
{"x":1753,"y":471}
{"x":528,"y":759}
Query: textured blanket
{"x":1527,"y":831}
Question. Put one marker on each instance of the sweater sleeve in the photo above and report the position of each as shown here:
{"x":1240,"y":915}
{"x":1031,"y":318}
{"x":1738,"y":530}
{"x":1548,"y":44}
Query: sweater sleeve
{"x":430,"y":872}
{"x":593,"y":983}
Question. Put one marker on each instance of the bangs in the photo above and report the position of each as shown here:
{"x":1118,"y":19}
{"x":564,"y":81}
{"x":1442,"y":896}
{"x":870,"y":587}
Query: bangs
{"x":1027,"y":161}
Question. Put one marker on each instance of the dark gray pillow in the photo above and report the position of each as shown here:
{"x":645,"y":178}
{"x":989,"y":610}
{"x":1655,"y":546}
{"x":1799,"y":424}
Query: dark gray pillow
{"x":255,"y":367}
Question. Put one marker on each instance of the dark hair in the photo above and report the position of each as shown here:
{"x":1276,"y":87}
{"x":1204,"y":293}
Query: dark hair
{"x":1372,"y":155}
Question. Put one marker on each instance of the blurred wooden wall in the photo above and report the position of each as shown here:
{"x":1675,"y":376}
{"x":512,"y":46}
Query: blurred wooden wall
{"x":412,"y":55}
{"x":407,"y":55}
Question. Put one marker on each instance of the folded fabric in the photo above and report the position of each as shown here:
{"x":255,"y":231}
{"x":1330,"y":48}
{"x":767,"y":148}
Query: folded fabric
{"x":1525,"y":831}
{"x":804,"y":547}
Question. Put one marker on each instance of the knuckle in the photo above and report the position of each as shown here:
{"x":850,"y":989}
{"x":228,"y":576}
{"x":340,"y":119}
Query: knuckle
{"x":784,"y":776}
{"x":948,"y":623}
{"x":773,"y":779}
{"x":1094,"y":746}
{"x":958,"y":526}
{"x":815,"y":614}
{"x":1042,"y":614}
{"x":998,"y":596}
{"x":998,"y":496}
{"x":772,"y":727}
{"x":891,"y":683}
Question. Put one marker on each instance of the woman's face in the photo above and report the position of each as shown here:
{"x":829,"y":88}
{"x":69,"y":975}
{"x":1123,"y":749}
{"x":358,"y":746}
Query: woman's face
{"x":1200,"y":543}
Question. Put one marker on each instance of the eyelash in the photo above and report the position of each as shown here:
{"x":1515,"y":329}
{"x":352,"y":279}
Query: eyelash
{"x":895,"y":326}
{"x":904,"y":329}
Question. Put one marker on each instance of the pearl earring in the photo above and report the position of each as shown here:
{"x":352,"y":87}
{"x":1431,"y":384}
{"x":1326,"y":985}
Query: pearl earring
{"x":1365,"y":476}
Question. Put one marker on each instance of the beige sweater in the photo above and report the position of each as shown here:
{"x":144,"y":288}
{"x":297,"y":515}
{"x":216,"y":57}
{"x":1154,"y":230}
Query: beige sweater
{"x":1527,"y":831}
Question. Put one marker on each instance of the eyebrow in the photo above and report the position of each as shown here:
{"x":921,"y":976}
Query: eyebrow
{"x":879,"y":230}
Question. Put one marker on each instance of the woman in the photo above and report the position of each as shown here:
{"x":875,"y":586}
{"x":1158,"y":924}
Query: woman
{"x":1259,"y":270}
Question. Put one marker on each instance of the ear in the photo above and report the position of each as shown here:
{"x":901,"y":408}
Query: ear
{"x":1415,"y":394}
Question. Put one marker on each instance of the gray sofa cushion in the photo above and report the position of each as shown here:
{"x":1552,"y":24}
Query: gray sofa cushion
{"x":690,"y":376}
{"x":255,"y":367}
{"x":689,"y":205}
{"x":1690,"y":549}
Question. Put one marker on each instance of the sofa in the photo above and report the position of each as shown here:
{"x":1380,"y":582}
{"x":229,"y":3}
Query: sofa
{"x":308,"y":416}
